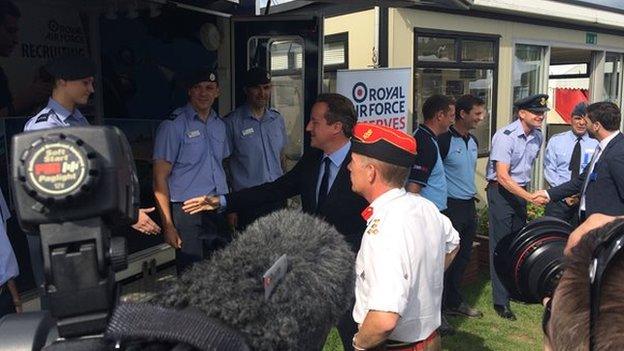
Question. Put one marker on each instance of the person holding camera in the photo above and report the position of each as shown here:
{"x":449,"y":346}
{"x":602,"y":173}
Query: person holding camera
{"x":567,"y":322}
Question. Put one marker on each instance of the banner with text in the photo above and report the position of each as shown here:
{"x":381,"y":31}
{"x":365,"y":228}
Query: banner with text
{"x":379,"y":95}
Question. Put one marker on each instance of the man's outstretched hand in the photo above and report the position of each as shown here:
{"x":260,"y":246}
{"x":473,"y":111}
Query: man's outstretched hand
{"x":145,"y":224}
{"x":201,"y":203}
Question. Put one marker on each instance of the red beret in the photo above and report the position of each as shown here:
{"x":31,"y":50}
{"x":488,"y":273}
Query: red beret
{"x":384,"y":143}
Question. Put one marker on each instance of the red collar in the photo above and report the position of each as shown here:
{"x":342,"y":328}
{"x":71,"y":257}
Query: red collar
{"x":367,"y":213}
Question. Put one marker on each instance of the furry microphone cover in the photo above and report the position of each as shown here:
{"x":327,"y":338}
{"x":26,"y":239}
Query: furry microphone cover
{"x":315,"y":292}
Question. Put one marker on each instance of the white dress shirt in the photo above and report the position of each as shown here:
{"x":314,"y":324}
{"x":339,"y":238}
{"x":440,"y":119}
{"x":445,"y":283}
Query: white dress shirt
{"x":400,"y":265}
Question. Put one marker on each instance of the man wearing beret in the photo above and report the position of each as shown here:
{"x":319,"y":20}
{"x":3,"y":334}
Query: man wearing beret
{"x":405,"y":248}
{"x":567,"y":155}
{"x":189,"y":150}
{"x":514,"y":150}
{"x":257,"y":136}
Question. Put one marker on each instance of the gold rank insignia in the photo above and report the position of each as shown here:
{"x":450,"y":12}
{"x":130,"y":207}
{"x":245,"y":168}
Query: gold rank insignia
{"x":542,"y":101}
{"x":367,"y":134}
{"x":372,"y":228}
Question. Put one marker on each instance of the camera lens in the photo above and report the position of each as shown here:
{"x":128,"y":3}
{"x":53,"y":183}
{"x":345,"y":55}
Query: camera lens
{"x":529,"y":263}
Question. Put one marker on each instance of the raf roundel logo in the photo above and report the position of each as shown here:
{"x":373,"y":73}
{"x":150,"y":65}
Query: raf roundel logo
{"x":360,"y":92}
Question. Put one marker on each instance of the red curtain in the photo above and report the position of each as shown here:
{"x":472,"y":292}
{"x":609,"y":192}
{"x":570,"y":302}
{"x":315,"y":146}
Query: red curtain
{"x":566,"y":99}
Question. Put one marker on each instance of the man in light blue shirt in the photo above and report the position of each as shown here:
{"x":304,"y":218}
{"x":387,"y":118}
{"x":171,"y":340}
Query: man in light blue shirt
{"x":459,"y":152}
{"x":567,"y":155}
{"x":256,"y":135}
{"x":9,"y":298}
{"x":514,"y":150}
{"x":189,"y":150}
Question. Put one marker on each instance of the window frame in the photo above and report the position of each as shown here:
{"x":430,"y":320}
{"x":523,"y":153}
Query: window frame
{"x":459,"y":37}
{"x":587,"y":73}
{"x":337,"y":38}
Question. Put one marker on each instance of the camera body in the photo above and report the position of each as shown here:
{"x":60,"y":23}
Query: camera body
{"x":71,"y":186}
{"x":67,"y":174}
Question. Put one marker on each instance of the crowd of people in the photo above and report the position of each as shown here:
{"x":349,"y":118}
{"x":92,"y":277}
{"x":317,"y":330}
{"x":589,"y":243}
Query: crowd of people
{"x":405,"y":203}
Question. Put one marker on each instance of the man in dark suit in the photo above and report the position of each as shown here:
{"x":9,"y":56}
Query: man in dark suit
{"x":601,"y":184}
{"x":321,"y":178}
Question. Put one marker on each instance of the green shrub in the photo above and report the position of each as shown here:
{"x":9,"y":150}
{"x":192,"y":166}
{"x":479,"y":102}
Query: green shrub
{"x":533,"y":212}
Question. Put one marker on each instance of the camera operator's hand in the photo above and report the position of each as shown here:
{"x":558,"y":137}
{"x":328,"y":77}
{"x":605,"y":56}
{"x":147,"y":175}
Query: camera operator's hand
{"x":172,"y":237}
{"x":592,"y":222}
{"x":201,"y":203}
{"x":145,"y":224}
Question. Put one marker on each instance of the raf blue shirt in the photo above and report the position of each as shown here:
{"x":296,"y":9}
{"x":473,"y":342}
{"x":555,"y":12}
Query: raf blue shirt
{"x":512,"y":146}
{"x":196,"y":150}
{"x":428,"y":170}
{"x":256,"y":146}
{"x":54,"y":115}
{"x":459,"y":155}
{"x":8,"y":262}
{"x":558,"y":153}
{"x":337,"y":158}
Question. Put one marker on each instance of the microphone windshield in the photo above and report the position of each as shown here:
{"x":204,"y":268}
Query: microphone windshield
{"x":315,"y":292}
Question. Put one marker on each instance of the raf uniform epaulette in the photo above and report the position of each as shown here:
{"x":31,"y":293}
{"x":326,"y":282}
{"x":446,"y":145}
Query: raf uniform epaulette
{"x":274,"y":110}
{"x":44,"y":117}
{"x":507,"y":132}
{"x":173,"y":115}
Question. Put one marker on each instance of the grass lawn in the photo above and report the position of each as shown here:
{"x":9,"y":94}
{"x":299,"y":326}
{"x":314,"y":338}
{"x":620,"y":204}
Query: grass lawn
{"x":488,"y":333}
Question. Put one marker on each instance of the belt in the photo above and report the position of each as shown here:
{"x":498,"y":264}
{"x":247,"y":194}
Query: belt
{"x":414,"y":346}
{"x":494,"y":183}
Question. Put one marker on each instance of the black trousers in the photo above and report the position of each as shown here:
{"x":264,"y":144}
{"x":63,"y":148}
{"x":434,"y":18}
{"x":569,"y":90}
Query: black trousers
{"x":201,"y":234}
{"x":507,"y":214}
{"x":6,"y":301}
{"x":246,"y":217}
{"x":347,"y":328}
{"x":463,"y":216}
{"x":561,"y":210}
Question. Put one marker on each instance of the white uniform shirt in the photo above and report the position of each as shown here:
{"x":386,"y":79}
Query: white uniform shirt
{"x":400,"y":265}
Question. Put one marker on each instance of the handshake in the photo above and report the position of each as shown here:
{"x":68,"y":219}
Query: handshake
{"x":541,"y":198}
{"x":201,"y":203}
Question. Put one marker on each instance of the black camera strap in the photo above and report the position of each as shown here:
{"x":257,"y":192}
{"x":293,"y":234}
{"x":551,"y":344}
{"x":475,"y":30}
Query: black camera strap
{"x":142,"y":321}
